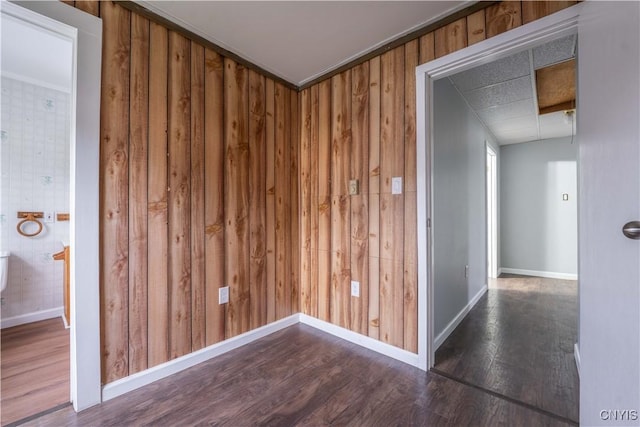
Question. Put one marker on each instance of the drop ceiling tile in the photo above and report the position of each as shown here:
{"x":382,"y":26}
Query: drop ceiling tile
{"x":498,"y":113}
{"x":504,"y":69}
{"x":554,"y":52}
{"x":554,"y":126}
{"x":517,"y":135}
{"x":524,"y":123}
{"x":517,"y":139}
{"x":500,"y":94}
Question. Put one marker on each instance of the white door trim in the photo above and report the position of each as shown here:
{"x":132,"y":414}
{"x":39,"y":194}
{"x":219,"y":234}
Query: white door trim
{"x":540,"y":31}
{"x":86,"y":32}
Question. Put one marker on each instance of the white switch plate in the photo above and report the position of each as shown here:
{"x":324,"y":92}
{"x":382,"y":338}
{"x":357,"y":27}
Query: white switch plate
{"x":48,"y":217}
{"x":223,"y":295}
{"x":355,"y":288}
{"x":466,"y":271}
{"x":396,"y":185}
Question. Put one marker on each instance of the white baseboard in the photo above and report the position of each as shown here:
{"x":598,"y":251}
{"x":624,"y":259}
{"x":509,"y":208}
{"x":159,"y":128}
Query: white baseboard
{"x":576,"y":355}
{"x":132,"y":382}
{"x":32,"y":317}
{"x":442,"y":336}
{"x":499,"y":271}
{"x":361,"y":340}
{"x":547,"y":274}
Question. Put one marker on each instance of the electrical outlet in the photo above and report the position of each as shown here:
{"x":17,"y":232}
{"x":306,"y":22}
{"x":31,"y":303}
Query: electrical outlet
{"x":48,"y":217}
{"x":355,"y":288}
{"x":223,"y":295}
{"x":396,"y":185}
{"x":466,"y":271}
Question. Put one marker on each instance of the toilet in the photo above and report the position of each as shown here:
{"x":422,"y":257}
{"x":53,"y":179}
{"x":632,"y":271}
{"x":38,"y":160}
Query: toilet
{"x":4,"y":270}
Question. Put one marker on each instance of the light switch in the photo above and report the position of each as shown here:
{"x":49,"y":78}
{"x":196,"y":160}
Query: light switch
{"x":396,"y":185}
{"x":565,"y":197}
{"x":353,"y":187}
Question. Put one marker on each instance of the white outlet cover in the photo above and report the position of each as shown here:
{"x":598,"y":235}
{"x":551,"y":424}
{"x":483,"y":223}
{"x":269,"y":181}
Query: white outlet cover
{"x":223,"y":295}
{"x":355,"y":288}
{"x":396,"y":185}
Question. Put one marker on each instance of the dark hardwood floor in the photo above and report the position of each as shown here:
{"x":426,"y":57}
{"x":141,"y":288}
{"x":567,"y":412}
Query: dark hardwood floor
{"x":302,"y":376}
{"x":518,"y":342}
{"x":34,"y":369}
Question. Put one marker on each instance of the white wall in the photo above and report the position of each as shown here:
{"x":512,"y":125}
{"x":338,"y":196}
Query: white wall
{"x":459,"y":203}
{"x":609,"y":145}
{"x":35,"y":177}
{"x":539,"y":229}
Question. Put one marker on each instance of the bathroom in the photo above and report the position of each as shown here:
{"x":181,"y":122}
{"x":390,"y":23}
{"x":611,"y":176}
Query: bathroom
{"x":34,"y":215}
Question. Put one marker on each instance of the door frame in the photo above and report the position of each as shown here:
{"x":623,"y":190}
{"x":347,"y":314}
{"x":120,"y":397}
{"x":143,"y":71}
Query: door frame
{"x":491,"y":198}
{"x":562,"y":23}
{"x":85,"y":31}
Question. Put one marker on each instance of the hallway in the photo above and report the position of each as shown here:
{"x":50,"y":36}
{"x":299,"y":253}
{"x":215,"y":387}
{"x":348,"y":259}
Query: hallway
{"x":518,"y":342}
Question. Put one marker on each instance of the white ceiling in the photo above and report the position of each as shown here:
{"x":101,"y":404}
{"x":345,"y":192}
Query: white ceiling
{"x":301,"y":40}
{"x":35,"y":55}
{"x":503,"y":94}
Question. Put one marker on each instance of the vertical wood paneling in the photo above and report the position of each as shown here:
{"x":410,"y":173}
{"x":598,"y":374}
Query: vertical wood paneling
{"x":340,"y":201}
{"x":360,"y":203}
{"x":188,"y":195}
{"x":374,"y":198}
{"x":214,"y":195}
{"x":114,"y":153}
{"x":179,"y":169}
{"x":475,"y":27}
{"x":89,"y":6}
{"x":340,"y":260}
{"x":391,"y":206}
{"x":158,"y":300}
{"x":282,"y":230}
{"x":305,"y":201}
{"x":410,"y":272}
{"x":451,"y":38}
{"x":532,"y":10}
{"x":313,"y":199}
{"x":294,"y":242}
{"x":237,"y":196}
{"x":271,"y":199}
{"x":198,"y":272}
{"x":257,"y":201}
{"x":427,"y":48}
{"x":138,"y":152}
{"x":502,"y":17}
{"x":324,"y":200}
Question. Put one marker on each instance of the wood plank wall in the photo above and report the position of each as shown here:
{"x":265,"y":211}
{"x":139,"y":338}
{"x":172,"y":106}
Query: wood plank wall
{"x":199,"y":165}
{"x":361,"y":124}
{"x":214,"y":174}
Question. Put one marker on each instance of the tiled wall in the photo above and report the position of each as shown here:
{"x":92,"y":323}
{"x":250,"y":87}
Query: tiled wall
{"x":35,"y":177}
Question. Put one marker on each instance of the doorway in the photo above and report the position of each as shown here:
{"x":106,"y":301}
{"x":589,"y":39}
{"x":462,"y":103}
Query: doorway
{"x":85,"y":33}
{"x":492,"y":213}
{"x":37,"y":78}
{"x":560,"y":24}
{"x":495,"y":100}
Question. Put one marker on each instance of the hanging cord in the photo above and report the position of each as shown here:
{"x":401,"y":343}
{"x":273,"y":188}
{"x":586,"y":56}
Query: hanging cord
{"x":570,"y":117}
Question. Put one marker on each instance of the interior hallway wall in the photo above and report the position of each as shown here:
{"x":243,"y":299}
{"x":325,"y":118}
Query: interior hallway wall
{"x":459,"y":204}
{"x":539,"y":228}
{"x":198,"y":190}
{"x":360,"y":125}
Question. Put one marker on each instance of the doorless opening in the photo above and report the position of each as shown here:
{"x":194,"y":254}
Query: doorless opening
{"x":85,"y":31}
